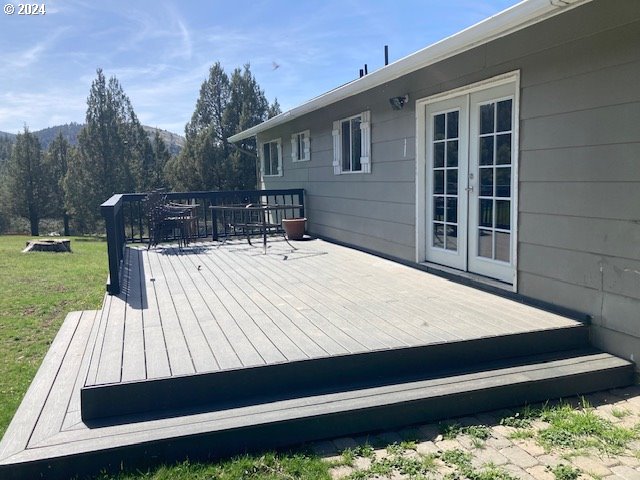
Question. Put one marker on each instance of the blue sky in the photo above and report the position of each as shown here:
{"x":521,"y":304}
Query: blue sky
{"x":161,"y":51}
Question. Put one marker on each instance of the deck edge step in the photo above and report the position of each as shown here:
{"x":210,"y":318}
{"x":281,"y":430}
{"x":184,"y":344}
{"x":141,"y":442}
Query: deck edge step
{"x":291,"y":426}
{"x":296,"y":378}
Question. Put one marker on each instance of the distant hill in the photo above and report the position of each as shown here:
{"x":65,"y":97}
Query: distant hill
{"x":70,"y":132}
{"x":174,"y":142}
{"x":10,"y":136}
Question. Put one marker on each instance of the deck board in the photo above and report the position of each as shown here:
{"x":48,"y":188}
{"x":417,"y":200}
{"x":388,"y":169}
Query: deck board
{"x":133,"y":363}
{"x":156,"y":355}
{"x":214,"y":307}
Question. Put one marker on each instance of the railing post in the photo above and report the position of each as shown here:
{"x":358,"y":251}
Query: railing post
{"x":114,"y":223}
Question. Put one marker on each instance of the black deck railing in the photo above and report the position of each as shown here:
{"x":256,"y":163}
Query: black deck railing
{"x":125,"y":220}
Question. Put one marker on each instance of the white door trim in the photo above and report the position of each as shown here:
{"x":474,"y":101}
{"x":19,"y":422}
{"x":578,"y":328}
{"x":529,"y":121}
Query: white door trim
{"x":421,"y":152}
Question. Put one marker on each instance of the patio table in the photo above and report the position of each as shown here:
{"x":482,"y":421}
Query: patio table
{"x":251,"y":217}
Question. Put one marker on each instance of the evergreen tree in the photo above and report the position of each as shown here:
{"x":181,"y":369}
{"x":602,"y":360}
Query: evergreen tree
{"x":25,"y":180}
{"x":114,"y":153}
{"x":274,"y":109}
{"x":247,"y":107}
{"x":6,"y":145}
{"x":161,"y":157}
{"x":56,"y":165}
{"x":225,"y":107}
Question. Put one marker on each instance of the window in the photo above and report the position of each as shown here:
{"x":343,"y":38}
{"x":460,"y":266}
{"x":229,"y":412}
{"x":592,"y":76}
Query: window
{"x":271,"y":158}
{"x":351,"y":144}
{"x":301,"y":147}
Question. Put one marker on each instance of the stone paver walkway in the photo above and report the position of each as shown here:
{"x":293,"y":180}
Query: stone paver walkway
{"x":483,"y":445}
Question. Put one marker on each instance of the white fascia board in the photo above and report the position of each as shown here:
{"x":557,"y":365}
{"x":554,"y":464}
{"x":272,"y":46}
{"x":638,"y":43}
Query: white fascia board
{"x":517,"y":17}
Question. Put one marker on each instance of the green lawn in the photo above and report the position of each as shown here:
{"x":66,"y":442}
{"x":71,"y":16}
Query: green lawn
{"x":37,"y":291}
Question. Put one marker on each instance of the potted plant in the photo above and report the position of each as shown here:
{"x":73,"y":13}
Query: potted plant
{"x":294,"y":227}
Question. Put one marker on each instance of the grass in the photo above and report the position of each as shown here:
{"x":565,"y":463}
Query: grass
{"x":582,"y":429}
{"x":477,"y":433}
{"x":38,"y":290}
{"x":269,"y":466}
{"x":573,"y":430}
{"x":402,"y":459}
{"x":564,"y":472}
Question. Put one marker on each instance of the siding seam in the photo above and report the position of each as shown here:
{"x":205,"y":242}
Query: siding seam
{"x":578,"y":251}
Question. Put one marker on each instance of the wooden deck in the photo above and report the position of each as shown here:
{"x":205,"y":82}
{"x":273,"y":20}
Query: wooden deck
{"x":216,"y":307}
{"x":261,"y":339}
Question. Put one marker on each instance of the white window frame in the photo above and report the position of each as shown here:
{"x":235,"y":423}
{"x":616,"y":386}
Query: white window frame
{"x":365,"y":144}
{"x":278,"y":143}
{"x":301,"y":154}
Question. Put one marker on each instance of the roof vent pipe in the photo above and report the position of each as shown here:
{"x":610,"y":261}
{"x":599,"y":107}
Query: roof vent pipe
{"x":386,"y":55}
{"x":366,"y":69}
{"x":361,"y":73}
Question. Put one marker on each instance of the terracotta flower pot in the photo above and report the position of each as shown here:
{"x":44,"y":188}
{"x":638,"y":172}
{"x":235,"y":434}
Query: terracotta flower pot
{"x":294,"y":227}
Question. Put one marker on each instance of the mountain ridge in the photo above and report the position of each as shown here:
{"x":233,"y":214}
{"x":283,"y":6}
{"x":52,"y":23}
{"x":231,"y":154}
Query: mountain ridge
{"x":70,"y":132}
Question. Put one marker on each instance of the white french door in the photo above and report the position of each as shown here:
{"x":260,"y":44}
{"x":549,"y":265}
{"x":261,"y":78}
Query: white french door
{"x":470,"y":184}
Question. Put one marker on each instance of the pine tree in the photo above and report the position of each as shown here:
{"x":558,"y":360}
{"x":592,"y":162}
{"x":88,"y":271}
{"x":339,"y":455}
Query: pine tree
{"x":274,"y":109}
{"x":225,"y":107}
{"x":25,"y":179}
{"x":56,"y":165}
{"x":6,"y":145}
{"x":161,"y":157}
{"x":114,"y":153}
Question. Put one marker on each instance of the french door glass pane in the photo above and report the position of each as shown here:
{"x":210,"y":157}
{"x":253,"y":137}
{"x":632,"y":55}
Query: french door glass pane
{"x":438,"y":155}
{"x":452,"y":238}
{"x":485,"y":243}
{"x":503,"y":246}
{"x":438,"y":235}
{"x":504,"y":115}
{"x":452,"y":124}
{"x":452,"y":210}
{"x":438,"y":209}
{"x":438,"y":182}
{"x":503,"y":214}
{"x":486,"y":182}
{"x":503,"y":182}
{"x":438,"y":127}
{"x":486,"y":213}
{"x":452,"y":181}
{"x":452,"y":153}
{"x":486,"y":118}
{"x":486,"y":150}
{"x":503,"y":149}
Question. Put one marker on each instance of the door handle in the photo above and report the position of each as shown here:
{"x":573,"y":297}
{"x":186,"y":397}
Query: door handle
{"x":469,"y":188}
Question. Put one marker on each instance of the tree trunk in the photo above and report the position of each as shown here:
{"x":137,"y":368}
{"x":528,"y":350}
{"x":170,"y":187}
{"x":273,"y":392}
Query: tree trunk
{"x":65,"y":222}
{"x":33,"y":219}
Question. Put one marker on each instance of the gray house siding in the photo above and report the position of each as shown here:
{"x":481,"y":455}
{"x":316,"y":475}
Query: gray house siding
{"x":579,"y":163}
{"x":375,"y":211}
